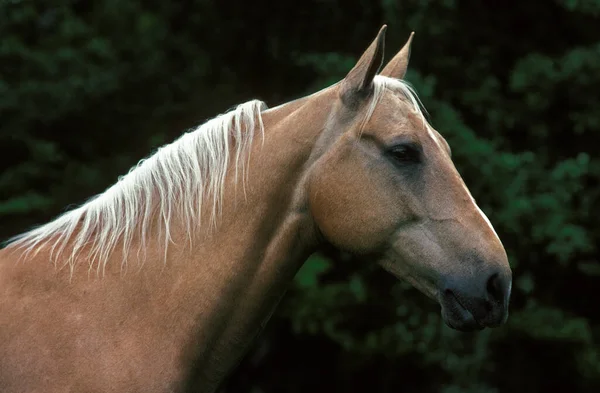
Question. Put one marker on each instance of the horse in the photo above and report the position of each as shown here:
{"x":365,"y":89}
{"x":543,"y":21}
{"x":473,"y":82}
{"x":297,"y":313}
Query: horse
{"x":161,"y":282}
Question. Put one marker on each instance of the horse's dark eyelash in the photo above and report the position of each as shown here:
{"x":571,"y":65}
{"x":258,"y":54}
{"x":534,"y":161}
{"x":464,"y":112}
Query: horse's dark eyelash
{"x":405,"y":154}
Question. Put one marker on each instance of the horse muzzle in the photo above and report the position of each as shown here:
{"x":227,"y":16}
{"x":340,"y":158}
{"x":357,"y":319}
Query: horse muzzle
{"x":469,"y":306}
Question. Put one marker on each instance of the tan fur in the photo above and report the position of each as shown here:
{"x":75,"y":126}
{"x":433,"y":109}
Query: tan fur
{"x":179,"y":326}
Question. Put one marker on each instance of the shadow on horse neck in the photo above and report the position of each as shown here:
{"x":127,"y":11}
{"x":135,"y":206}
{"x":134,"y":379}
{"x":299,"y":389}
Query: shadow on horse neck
{"x":160,"y":283}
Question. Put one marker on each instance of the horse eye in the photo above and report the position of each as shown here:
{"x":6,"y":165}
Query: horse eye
{"x":405,"y":154}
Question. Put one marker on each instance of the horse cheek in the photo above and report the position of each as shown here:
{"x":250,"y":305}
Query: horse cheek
{"x":349,"y":207}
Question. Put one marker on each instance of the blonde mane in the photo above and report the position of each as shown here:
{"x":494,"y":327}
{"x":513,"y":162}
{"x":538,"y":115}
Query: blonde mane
{"x":175,"y":181}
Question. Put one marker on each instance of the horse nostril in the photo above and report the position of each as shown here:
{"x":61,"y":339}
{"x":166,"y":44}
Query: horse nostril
{"x":494,"y":288}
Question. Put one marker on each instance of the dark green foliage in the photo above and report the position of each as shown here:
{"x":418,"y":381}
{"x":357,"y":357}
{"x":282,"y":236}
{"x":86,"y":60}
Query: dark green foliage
{"x":88,"y":88}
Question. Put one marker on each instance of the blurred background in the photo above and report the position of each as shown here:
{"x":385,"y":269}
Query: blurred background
{"x":87,"y":88}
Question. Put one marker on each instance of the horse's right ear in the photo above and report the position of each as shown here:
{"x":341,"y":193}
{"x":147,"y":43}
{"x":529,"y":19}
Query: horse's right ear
{"x":396,"y":68}
{"x":359,"y":81}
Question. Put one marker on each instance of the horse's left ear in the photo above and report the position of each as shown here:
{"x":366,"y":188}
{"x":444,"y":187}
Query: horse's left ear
{"x":359,"y":81}
{"x":397,"y":67}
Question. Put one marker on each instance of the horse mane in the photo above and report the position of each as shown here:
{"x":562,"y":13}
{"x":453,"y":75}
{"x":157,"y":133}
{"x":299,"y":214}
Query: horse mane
{"x":175,"y":181}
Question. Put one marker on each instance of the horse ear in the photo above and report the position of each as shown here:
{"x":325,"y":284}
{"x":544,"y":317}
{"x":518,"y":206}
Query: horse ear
{"x":360,"y":78}
{"x":396,"y":68}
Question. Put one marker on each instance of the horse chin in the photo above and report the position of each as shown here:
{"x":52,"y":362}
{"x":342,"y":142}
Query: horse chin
{"x":455,"y":316}
{"x":462,"y":326}
{"x":459,"y":318}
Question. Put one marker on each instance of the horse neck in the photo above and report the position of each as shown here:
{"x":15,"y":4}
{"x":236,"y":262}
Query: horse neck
{"x":242,"y":269}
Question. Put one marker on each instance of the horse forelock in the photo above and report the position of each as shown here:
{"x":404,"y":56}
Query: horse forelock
{"x":175,"y":181}
{"x":382,"y":83}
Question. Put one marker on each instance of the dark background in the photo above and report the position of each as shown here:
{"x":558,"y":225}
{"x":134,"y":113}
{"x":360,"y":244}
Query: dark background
{"x":87,"y":88}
